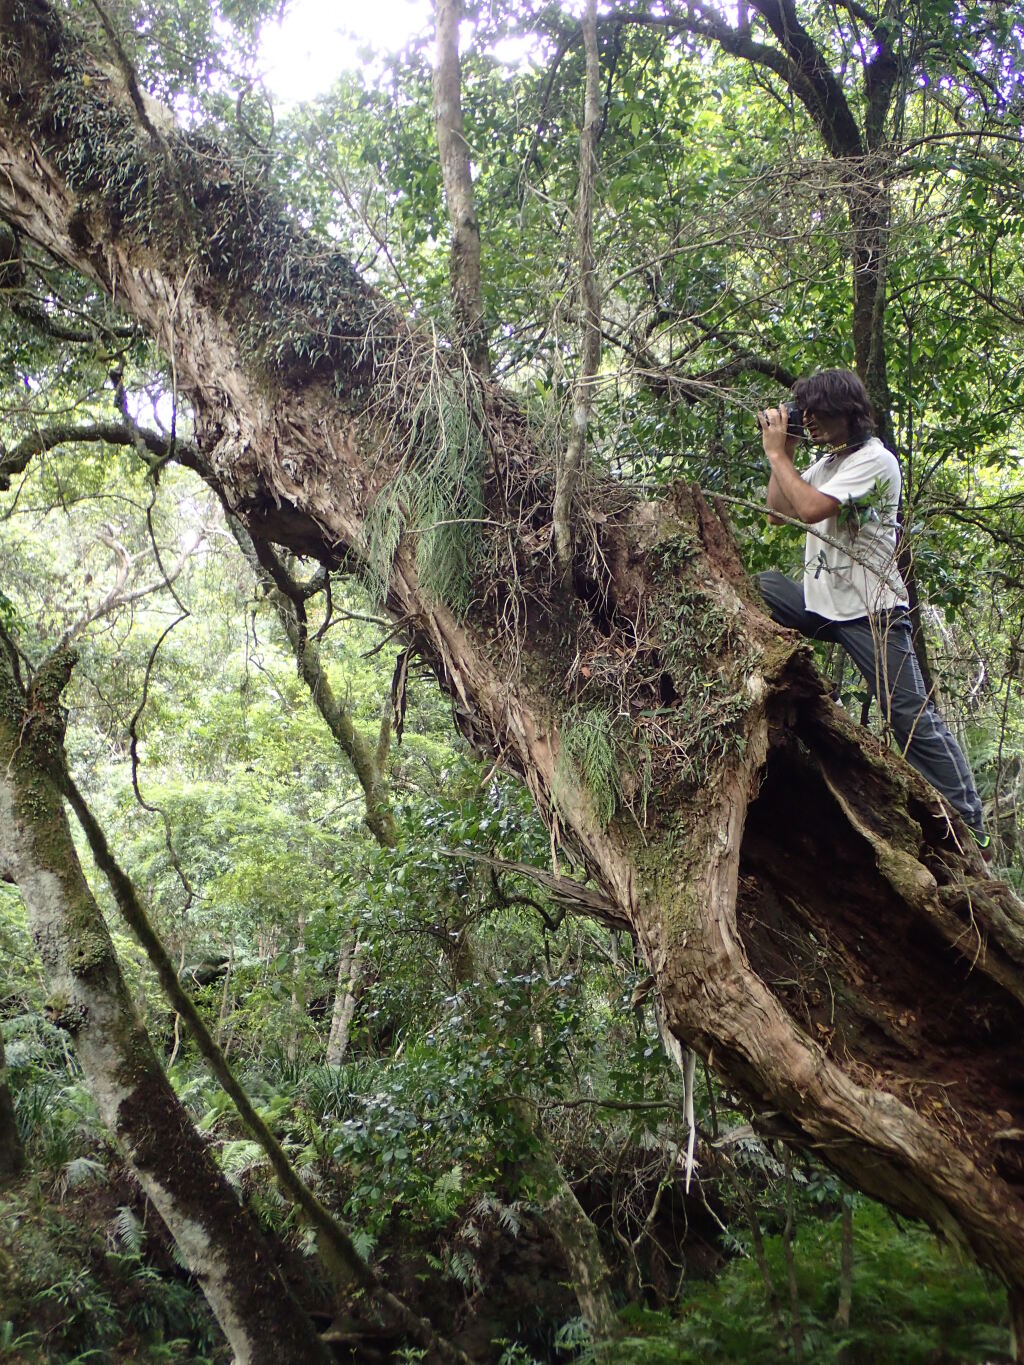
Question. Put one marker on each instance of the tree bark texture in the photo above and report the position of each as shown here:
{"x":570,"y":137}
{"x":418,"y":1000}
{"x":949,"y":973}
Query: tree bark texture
{"x":350,"y":962}
{"x":818,"y":927}
{"x":466,"y":280}
{"x":89,"y":1000}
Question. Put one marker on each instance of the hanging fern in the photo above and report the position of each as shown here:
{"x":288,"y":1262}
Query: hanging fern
{"x":588,"y":755}
{"x":127,"y":1232}
{"x":385,"y":523}
{"x":438,"y":497}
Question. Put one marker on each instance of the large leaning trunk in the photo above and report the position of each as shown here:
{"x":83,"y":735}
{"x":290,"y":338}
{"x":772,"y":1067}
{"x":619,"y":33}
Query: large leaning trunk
{"x":88,"y":998}
{"x":800,"y":896}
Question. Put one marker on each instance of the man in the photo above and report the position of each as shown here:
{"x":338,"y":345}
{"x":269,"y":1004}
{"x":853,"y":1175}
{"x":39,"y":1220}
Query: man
{"x":851,"y":590}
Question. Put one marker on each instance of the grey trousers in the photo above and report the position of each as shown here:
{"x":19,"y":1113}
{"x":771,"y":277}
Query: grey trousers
{"x":883,"y":650}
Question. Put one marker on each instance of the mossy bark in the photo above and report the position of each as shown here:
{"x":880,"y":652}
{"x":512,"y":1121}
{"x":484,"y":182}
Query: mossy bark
{"x":817,"y":926}
{"x":88,"y":999}
{"x":578,"y":1242}
{"x":350,"y":959}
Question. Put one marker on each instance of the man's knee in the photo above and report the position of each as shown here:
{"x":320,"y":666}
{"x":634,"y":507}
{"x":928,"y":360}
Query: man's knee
{"x":769,"y":578}
{"x":778,"y":590}
{"x":783,"y":596}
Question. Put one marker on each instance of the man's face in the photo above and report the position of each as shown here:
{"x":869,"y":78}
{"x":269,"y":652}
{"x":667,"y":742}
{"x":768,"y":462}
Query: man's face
{"x":827,"y":428}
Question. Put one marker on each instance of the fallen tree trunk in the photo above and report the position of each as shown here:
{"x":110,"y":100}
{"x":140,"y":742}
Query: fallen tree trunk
{"x":813,"y":925}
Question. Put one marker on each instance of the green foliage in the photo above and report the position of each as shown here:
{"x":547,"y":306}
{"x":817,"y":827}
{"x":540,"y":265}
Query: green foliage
{"x":870,"y":506}
{"x":588,"y":755}
{"x":76,"y":1285}
{"x":914,"y":1302}
{"x":438,"y":497}
{"x":723,"y":236}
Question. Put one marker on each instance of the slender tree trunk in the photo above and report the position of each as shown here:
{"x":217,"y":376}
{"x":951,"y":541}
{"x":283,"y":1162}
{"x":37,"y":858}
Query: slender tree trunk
{"x":466,"y":281}
{"x":575,"y":1234}
{"x":588,"y":1270}
{"x":339,"y":1256}
{"x":350,"y":963}
{"x":298,"y":1002}
{"x":796,"y":1328}
{"x":89,"y":1001}
{"x":771,"y":1293}
{"x":1015,"y":1308}
{"x":12,"y":1153}
{"x":824,"y":1001}
{"x":367,"y":760}
{"x":870,"y":215}
{"x":571,"y":465}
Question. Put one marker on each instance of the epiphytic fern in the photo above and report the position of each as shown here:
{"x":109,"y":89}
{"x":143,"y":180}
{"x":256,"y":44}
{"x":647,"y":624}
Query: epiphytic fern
{"x":588,"y":755}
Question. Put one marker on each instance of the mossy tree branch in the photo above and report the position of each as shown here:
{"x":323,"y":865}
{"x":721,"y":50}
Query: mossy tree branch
{"x":296,"y":373}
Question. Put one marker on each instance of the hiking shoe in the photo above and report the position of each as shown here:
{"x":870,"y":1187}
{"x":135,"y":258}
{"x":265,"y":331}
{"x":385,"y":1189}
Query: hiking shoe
{"x":984,"y":842}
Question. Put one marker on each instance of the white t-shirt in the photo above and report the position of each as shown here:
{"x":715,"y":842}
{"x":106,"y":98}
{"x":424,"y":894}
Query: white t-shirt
{"x":860,"y":578}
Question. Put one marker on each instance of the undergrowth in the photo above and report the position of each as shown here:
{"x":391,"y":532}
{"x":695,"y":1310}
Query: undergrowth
{"x":914,"y":1303}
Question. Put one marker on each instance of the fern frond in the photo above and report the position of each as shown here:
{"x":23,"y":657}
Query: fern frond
{"x":385,"y":522}
{"x":127,"y":1232}
{"x":588,"y":755}
{"x":439,"y":496}
{"x":79,"y":1171}
{"x":238,"y":1158}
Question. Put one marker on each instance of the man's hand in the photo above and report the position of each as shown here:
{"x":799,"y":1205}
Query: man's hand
{"x":788,"y":493}
{"x":775,"y":437}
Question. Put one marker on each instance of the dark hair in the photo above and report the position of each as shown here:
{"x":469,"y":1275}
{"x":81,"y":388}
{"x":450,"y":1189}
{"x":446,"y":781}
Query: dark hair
{"x":838,"y":393}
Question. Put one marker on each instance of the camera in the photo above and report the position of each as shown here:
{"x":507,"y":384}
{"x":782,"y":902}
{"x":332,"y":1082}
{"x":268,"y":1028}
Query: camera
{"x":794,"y":422}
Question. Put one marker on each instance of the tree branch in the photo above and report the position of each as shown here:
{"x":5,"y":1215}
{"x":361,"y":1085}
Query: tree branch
{"x":367,"y":760}
{"x":49,"y":437}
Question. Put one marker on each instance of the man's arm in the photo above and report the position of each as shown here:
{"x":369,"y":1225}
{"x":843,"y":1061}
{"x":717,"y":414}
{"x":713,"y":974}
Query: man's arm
{"x":778,"y":501}
{"x":803,"y":501}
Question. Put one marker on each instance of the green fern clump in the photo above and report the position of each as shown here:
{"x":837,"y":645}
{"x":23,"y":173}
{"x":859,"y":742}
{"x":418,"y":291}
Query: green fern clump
{"x":589,"y":755}
{"x":438,"y":497}
{"x":385,"y":524}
